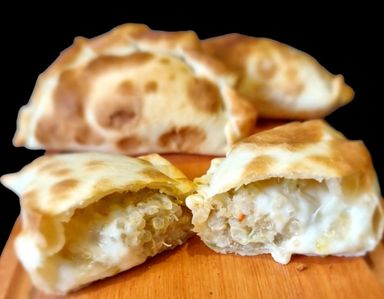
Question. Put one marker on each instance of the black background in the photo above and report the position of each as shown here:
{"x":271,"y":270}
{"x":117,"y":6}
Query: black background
{"x":344,"y":42}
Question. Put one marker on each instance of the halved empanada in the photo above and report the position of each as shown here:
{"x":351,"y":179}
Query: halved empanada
{"x":91,"y":215}
{"x":134,"y":90}
{"x":299,"y":188}
{"x":281,"y":81}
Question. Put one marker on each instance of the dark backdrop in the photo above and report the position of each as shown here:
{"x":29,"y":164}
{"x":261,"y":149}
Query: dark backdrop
{"x":343,"y":42}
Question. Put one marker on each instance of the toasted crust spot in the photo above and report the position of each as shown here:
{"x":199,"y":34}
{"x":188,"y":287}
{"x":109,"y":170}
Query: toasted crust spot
{"x":165,"y":60}
{"x":151,"y":86}
{"x":183,"y":138}
{"x":204,"y":95}
{"x":64,"y":186}
{"x":102,"y":63}
{"x":126,"y":88}
{"x":128,"y":143}
{"x":49,"y":167}
{"x":95,"y":164}
{"x":68,"y":95}
{"x":260,"y":164}
{"x":47,"y":130}
{"x":85,"y":135}
{"x":61,"y":172}
{"x":293,"y":135}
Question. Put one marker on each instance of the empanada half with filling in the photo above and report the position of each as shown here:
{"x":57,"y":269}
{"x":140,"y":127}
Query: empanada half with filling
{"x":281,"y":81}
{"x":301,"y":188}
{"x":87,"y":216}
{"x":134,"y":90}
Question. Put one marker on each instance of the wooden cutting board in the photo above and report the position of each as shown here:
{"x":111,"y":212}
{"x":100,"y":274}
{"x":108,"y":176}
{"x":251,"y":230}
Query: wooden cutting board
{"x":194,"y":271}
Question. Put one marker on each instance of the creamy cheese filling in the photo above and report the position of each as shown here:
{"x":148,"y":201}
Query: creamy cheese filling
{"x":114,"y":234}
{"x":286,"y":216}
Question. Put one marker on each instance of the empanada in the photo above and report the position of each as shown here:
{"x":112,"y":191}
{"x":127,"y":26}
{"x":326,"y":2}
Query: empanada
{"x":134,"y":90}
{"x":299,"y":188}
{"x":87,"y":216}
{"x":281,"y":81}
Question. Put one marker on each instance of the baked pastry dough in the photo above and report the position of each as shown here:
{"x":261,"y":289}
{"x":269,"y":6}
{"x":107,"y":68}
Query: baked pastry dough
{"x":134,"y":90}
{"x":281,"y":81}
{"x":87,"y":216}
{"x":299,"y":188}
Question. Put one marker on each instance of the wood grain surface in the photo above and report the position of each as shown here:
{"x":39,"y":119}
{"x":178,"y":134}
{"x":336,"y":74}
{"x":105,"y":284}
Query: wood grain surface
{"x":194,"y":271}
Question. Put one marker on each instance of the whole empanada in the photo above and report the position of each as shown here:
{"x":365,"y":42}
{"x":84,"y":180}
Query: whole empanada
{"x":281,"y":81}
{"x":134,"y":90}
{"x":87,"y":216}
{"x":299,"y":188}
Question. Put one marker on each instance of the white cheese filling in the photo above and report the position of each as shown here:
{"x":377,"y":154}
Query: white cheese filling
{"x":285,"y":216}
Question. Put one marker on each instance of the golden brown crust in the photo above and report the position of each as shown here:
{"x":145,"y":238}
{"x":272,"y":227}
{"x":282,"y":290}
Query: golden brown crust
{"x":61,"y":188}
{"x":293,"y":135}
{"x":181,"y":139}
{"x":307,"y":150}
{"x":261,"y":164}
{"x":126,"y":143}
{"x":281,"y":81}
{"x":133,"y":82}
{"x":205,"y":96}
{"x":340,"y":157}
{"x":53,"y":186}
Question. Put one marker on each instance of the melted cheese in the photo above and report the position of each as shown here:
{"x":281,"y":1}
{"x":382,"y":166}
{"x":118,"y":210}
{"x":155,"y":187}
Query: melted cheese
{"x":283,"y":217}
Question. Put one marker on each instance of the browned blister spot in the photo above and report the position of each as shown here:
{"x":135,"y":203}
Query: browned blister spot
{"x":66,"y":122}
{"x":187,"y":39}
{"x":55,"y":132}
{"x":294,"y":135}
{"x":64,"y":187}
{"x":94,"y":164}
{"x":103,"y":63}
{"x":204,"y":95}
{"x":172,"y":77}
{"x":331,"y":161}
{"x":48,"y":167}
{"x":260,"y":165}
{"x":119,"y":111}
{"x":129,"y":143}
{"x":185,"y":138}
{"x":126,"y":88}
{"x":61,"y":172}
{"x":85,"y":135}
{"x":45,"y":130}
{"x":165,"y":61}
{"x":233,"y":50}
{"x":121,"y":117}
{"x":354,"y":163}
{"x":150,"y":86}
{"x":68,"y":95}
